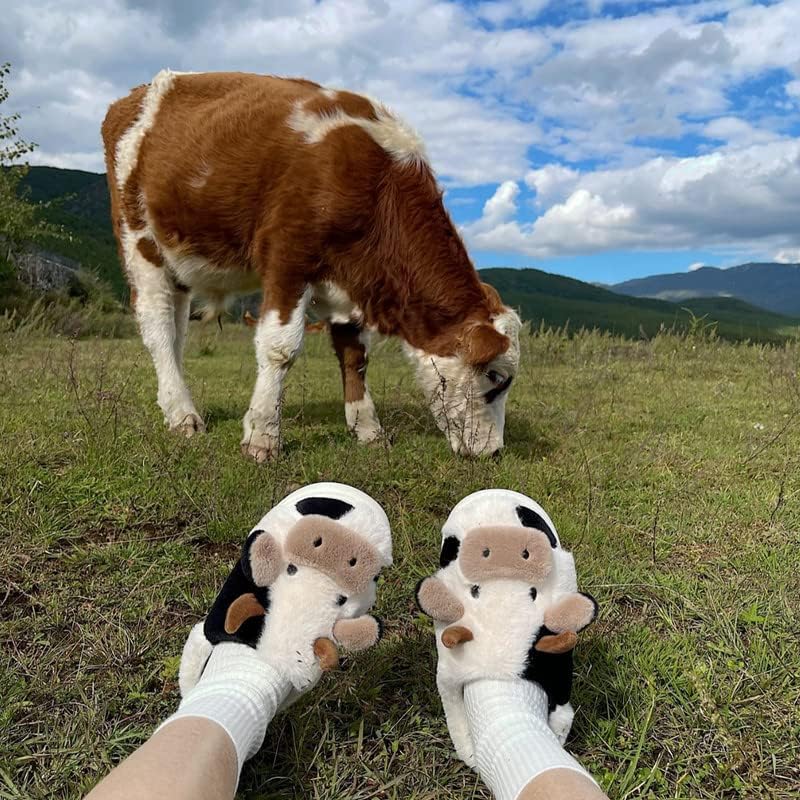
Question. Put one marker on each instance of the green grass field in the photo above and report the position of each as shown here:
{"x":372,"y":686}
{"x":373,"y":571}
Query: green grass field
{"x":670,"y":467}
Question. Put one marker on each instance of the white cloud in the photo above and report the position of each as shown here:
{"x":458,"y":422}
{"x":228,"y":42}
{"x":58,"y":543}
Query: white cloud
{"x":747,"y":196}
{"x":788,"y":256}
{"x":695,"y":266}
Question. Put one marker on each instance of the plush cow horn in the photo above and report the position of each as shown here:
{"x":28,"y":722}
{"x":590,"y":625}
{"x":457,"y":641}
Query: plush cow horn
{"x":456,"y":634}
{"x":242,"y":609}
{"x":326,"y":653}
{"x":559,"y":643}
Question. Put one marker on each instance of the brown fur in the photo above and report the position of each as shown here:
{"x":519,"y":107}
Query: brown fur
{"x":571,"y":613}
{"x":265,"y":560}
{"x":337,"y":547}
{"x":438,"y":602}
{"x":352,"y":357}
{"x":357,"y":634}
{"x":327,"y":654}
{"x":499,"y":552}
{"x":149,"y":249}
{"x":296,"y":213}
{"x":455,"y":635}
{"x":240,"y":610}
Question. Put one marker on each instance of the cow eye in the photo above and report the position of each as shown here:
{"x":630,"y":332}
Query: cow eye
{"x":495,"y":377}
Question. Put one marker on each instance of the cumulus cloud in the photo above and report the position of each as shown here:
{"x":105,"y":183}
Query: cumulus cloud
{"x":695,"y":266}
{"x":749,"y":195}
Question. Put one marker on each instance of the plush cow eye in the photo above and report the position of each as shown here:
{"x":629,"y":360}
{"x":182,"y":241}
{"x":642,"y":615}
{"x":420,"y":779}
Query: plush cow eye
{"x":475,"y":591}
{"x":291,"y":569}
{"x":353,"y":562}
{"x":533,"y":592}
{"x":486,"y":553}
{"x":318,"y":542}
{"x":526,"y":554}
{"x":341,"y":600}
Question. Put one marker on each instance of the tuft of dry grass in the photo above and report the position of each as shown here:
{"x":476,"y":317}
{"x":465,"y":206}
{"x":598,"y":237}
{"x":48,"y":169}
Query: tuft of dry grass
{"x":670,"y":467}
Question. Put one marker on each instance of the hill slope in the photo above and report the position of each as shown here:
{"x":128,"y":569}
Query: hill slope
{"x":83,"y":209}
{"x":558,"y":301}
{"x":772,"y":286}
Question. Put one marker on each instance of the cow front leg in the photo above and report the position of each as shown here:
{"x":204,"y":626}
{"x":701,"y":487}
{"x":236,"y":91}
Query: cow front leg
{"x":183,"y":302}
{"x":278,"y":342}
{"x":351,"y":345}
{"x":157,"y":304}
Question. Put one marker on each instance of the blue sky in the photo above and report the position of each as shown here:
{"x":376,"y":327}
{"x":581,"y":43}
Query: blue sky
{"x":603,"y":139}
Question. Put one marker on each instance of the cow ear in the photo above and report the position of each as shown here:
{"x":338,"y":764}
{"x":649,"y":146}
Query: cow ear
{"x":493,"y":299}
{"x":482,"y":343}
{"x":261,"y":558}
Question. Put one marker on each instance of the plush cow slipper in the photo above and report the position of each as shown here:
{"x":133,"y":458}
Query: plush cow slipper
{"x":505,"y":605}
{"x":301,"y":589}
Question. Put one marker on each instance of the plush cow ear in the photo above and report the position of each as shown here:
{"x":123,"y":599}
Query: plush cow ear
{"x":261,"y":558}
{"x":482,"y":343}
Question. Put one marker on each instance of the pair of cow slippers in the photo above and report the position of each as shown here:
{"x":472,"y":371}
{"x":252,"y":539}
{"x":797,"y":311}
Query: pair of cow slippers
{"x":504,"y":602}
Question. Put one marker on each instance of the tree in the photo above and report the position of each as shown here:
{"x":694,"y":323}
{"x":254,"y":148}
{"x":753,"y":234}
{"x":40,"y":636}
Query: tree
{"x":20,"y":219}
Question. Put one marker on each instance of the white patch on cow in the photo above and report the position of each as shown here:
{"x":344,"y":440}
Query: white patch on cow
{"x":397,"y":138}
{"x":332,"y":303}
{"x":208,"y":279}
{"x":331,"y":94}
{"x":456,"y":391}
{"x":362,"y":419}
{"x":277,"y":346}
{"x":127,"y":153}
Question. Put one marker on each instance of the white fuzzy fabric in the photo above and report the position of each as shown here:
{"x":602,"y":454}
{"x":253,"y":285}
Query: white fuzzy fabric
{"x":368,"y":519}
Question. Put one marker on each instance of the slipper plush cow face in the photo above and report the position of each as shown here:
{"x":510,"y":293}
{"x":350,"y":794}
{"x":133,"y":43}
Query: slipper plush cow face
{"x":504,"y":604}
{"x":305,"y":579}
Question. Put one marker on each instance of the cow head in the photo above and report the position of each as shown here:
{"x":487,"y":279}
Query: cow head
{"x":467,"y":391}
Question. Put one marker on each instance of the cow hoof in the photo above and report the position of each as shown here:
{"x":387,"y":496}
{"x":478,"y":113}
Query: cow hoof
{"x":376,"y":438}
{"x":260,"y":453}
{"x":189,"y":425}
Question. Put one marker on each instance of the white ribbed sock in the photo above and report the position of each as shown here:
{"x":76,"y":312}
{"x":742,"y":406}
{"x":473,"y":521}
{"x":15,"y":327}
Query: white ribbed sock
{"x":513,"y":743}
{"x":240,"y":693}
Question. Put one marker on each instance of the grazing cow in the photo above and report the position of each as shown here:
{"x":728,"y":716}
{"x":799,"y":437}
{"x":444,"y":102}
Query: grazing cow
{"x":227,"y":182}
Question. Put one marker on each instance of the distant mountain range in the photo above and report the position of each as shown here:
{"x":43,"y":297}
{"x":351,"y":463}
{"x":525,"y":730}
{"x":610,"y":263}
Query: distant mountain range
{"x":775,"y":287}
{"x":83,"y":210}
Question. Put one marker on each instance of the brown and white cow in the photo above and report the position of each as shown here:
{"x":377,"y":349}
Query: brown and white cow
{"x":224,"y":183}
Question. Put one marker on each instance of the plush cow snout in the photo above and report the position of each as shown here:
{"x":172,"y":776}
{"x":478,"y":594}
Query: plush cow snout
{"x":344,"y":556}
{"x":505,"y":552}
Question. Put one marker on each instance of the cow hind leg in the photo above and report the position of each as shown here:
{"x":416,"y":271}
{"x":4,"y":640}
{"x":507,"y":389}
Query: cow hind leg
{"x":157,"y":303}
{"x":278,"y":342}
{"x":350,"y":343}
